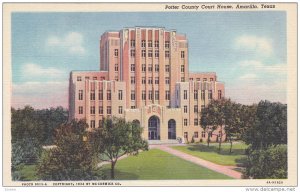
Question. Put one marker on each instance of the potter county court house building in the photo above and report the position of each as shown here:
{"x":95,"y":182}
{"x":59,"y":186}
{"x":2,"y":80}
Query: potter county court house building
{"x":144,"y":77}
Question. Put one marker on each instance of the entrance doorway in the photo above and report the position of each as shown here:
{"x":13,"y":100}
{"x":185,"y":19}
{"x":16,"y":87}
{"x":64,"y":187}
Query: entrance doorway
{"x":171,"y":129}
{"x":153,"y":128}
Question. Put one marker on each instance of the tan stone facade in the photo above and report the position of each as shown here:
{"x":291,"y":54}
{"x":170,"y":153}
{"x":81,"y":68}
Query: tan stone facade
{"x":144,"y":77}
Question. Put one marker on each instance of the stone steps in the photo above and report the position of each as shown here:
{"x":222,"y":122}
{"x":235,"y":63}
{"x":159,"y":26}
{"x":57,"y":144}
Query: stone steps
{"x":160,"y":142}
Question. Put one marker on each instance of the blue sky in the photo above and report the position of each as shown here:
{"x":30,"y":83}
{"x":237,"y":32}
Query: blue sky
{"x":246,"y":49}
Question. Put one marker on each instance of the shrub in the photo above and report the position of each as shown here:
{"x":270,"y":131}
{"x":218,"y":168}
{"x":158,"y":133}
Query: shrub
{"x":270,"y":163}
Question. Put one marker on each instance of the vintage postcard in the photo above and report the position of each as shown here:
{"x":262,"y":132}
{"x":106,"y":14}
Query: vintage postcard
{"x":150,"y":94}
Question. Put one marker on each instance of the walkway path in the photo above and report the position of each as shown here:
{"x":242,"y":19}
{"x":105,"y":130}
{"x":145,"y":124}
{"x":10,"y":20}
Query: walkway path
{"x":215,"y":167}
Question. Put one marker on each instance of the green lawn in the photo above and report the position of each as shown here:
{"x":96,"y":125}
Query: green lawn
{"x":212,"y":154}
{"x":157,"y":165}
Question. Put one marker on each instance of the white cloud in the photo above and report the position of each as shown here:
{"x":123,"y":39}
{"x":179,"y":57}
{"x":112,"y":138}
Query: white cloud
{"x":259,"y":45}
{"x":258,"y":66}
{"x":40,"y":94}
{"x":254,"y":92}
{"x":248,"y":76}
{"x":72,"y":42}
{"x":33,"y":70}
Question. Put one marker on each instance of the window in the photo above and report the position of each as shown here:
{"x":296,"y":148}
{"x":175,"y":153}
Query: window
{"x":185,"y":135}
{"x":195,"y":94}
{"x":116,"y":78}
{"x":211,"y":79}
{"x":92,"y":123}
{"x":132,"y":67}
{"x":100,"y":110}
{"x":204,"y":79}
{"x":143,"y":80}
{"x":185,"y":94}
{"x":132,"y":96}
{"x":196,"y":122}
{"x":156,"y":68}
{"x":132,"y":43}
{"x":185,"y":109}
{"x":132,"y":53}
{"x":185,"y":122}
{"x":195,"y":108}
{"x":92,"y":96}
{"x":108,"y":110}
{"x":87,"y":78}
{"x":143,"y":95}
{"x":116,"y":52}
{"x":196,"y":134}
{"x":100,"y":123}
{"x":79,"y":78}
{"x":167,"y":95}
{"x":156,"y":53}
{"x":210,"y":94}
{"x":143,"y":53}
{"x":203,"y":134}
{"x":120,"y":94}
{"x":80,"y":110}
{"x":92,"y":110}
{"x":167,"y":54}
{"x":182,"y":54}
{"x":108,"y":95}
{"x":100,"y":95}
{"x":132,"y":107}
{"x":132,"y":80}
{"x":120,"y":109}
{"x":80,"y":95}
{"x":150,"y":68}
{"x":191,"y":79}
{"x":203,"y":95}
{"x":202,"y":107}
{"x":167,"y":80}
{"x":156,"y":81}
{"x":198,"y":79}
{"x":102,"y":78}
{"x":150,"y":53}
{"x":150,"y":95}
{"x":156,"y":44}
{"x":167,"y":44}
{"x":150,"y":80}
{"x":167,"y":68}
{"x":143,"y":43}
{"x":182,"y":68}
{"x":116,"y":67}
{"x":94,"y":78}
{"x":219,"y":94}
{"x":182,"y":79}
{"x":143,"y":67}
{"x":149,"y":43}
{"x":156,"y":95}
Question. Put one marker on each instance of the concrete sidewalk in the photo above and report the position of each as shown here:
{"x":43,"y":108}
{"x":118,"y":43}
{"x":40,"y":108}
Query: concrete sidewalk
{"x":207,"y":164}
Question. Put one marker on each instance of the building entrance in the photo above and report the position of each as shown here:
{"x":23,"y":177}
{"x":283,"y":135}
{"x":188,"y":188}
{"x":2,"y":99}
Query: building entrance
{"x":172,"y":129}
{"x":153,"y":128}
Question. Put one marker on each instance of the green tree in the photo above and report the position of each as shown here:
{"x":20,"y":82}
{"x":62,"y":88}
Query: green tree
{"x":25,"y":124}
{"x":214,"y":117}
{"x":116,"y":138}
{"x":50,"y":120}
{"x":270,"y":126}
{"x":72,"y":158}
{"x":36,"y":124}
{"x":269,"y":163}
{"x":266,"y":134}
{"x":232,"y":121}
{"x":205,"y":122}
